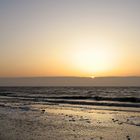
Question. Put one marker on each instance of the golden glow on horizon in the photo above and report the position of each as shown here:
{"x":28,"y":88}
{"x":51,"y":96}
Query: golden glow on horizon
{"x":92,"y":76}
{"x":75,"y":38}
{"x":94,"y":56}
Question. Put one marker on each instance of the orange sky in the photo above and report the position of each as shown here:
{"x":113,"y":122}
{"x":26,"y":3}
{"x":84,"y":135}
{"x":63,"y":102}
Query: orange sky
{"x":70,"y":38}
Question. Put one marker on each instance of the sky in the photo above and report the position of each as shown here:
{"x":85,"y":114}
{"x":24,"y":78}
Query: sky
{"x":83,"y":38}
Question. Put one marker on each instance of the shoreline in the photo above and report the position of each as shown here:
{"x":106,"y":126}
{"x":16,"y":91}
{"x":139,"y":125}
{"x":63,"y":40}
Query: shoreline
{"x":30,"y":120}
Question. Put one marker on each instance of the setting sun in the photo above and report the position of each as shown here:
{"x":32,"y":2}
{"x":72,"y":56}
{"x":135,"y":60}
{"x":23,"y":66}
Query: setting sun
{"x":75,"y":38}
{"x":94,"y":56}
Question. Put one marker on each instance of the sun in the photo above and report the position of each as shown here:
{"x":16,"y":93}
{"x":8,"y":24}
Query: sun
{"x":94,"y":56}
{"x":92,"y":76}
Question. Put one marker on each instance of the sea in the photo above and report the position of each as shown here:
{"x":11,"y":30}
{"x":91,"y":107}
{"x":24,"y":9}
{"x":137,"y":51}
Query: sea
{"x":92,"y":96}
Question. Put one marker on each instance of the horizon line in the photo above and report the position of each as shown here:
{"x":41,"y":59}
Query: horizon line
{"x":132,"y":76}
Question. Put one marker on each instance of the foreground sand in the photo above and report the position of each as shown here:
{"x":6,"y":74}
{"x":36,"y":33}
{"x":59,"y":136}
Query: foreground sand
{"x":39,"y":121}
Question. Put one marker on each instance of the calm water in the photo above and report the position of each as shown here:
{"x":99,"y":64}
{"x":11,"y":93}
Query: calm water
{"x":112,"y":96}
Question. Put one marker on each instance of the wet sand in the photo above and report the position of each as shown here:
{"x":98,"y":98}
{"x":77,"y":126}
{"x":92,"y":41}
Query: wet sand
{"x":44,"y":121}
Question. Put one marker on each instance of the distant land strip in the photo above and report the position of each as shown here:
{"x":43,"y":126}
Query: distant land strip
{"x":71,"y":81}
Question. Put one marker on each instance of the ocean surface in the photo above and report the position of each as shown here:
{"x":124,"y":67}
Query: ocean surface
{"x":99,"y":96}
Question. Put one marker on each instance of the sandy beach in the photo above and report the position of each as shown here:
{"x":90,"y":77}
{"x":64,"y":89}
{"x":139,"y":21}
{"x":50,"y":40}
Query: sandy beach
{"x":44,"y":121}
